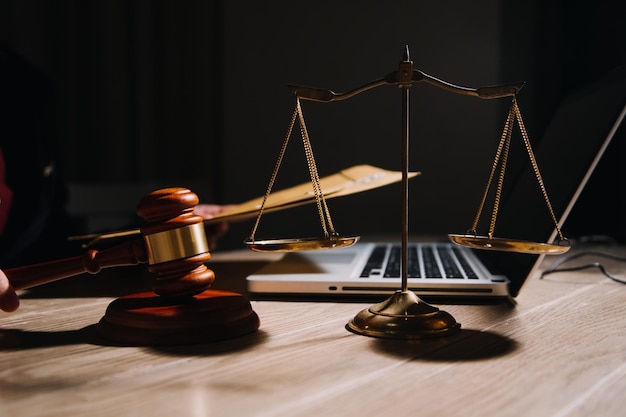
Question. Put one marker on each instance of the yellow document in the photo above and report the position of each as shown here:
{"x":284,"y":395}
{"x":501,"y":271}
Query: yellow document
{"x":349,"y":181}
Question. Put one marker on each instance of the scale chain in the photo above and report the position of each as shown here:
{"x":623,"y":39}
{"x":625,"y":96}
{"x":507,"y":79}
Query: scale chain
{"x":274,"y":173}
{"x":535,"y":166}
{"x":496,"y":202}
{"x":501,"y":157}
{"x":324,"y":213}
{"x":506,"y":137}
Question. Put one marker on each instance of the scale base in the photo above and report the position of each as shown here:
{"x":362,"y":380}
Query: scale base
{"x":147,"y":319}
{"x":403,"y":316}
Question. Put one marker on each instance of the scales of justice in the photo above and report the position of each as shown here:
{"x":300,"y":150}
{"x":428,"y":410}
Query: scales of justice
{"x":182,"y":308}
{"x":404,"y":315}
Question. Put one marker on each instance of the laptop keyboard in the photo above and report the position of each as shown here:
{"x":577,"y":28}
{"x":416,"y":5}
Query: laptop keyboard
{"x":429,"y":261}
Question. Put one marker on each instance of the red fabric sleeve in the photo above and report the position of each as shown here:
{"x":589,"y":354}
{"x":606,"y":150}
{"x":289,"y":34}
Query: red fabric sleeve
{"x":6,"y":196}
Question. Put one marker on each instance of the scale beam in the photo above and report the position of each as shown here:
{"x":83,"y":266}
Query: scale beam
{"x":487,"y":92}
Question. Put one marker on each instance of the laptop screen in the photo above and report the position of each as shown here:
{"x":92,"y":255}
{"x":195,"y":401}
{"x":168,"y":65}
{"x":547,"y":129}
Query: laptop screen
{"x":565,"y":154}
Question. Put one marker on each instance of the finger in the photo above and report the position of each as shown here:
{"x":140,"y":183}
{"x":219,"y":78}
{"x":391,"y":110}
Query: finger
{"x":9,"y":301}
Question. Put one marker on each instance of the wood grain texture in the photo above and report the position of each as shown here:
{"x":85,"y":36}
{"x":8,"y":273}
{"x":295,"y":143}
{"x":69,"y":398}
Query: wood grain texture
{"x":560,"y":352}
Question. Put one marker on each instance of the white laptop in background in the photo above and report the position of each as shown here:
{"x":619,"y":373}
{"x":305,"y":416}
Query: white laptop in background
{"x":568,"y":153}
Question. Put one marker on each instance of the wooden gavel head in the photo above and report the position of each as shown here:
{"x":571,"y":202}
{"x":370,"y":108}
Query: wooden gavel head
{"x":176,"y":242}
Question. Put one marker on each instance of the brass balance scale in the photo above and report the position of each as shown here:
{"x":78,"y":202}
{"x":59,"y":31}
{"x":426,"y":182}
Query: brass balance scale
{"x":404,"y":315}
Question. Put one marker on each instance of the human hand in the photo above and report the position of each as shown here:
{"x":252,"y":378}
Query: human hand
{"x":9,"y":300}
{"x":214,"y":230}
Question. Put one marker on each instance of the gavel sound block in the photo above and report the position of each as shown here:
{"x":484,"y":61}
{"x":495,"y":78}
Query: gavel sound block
{"x":181,"y":309}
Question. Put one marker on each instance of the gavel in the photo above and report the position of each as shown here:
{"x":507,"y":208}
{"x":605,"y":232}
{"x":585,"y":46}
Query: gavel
{"x":173,"y":243}
{"x":181,"y":309}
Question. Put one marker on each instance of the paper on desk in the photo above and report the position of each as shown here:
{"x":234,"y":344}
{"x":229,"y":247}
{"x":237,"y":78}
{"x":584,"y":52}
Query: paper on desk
{"x":349,"y":181}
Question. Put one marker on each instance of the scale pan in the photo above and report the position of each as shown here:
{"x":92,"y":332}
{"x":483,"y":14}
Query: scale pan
{"x":301,"y":244}
{"x":508,"y":245}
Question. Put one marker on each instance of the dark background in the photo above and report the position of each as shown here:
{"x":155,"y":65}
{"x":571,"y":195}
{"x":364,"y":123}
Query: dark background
{"x":193,"y":93}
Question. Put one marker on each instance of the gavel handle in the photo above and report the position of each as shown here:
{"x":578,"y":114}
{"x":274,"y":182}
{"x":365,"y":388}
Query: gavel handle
{"x":128,"y":253}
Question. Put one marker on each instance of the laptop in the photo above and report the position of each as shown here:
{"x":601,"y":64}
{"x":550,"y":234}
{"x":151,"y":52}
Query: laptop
{"x":568,"y":153}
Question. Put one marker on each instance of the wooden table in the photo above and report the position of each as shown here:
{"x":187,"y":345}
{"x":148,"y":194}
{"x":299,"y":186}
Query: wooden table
{"x":560,"y":352}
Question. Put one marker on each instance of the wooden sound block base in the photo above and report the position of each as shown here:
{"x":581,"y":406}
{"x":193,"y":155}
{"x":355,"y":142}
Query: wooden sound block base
{"x":148,"y":319}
